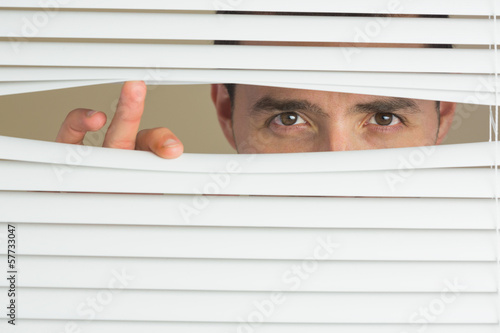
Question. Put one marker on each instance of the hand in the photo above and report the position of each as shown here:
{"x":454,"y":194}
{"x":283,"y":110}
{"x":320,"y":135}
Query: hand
{"x":122,"y":132}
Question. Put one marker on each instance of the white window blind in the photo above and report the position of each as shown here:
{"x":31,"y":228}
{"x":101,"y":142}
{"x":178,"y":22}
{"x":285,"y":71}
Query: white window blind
{"x":381,"y":247}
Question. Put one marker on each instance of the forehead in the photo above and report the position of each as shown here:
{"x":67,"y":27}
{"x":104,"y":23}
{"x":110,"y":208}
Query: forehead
{"x":253,"y":92}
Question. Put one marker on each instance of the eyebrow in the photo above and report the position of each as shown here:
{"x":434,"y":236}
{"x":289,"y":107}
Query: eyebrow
{"x":387,"y":105}
{"x":269,"y":104}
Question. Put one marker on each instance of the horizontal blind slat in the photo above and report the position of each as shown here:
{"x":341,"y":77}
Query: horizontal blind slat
{"x":126,"y":25}
{"x":451,"y":7}
{"x":427,"y":157}
{"x":475,"y":183}
{"x":476,"y":61}
{"x":231,"y":306}
{"x":214,"y":211}
{"x":255,"y":243}
{"x":486,"y":98}
{"x":454,"y":82}
{"x":96,"y":326}
{"x":253,"y":275}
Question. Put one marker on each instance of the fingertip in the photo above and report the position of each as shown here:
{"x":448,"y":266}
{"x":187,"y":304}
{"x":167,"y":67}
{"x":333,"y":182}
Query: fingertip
{"x":135,"y":90}
{"x":170,"y":149}
{"x":90,"y":113}
{"x":95,"y":120}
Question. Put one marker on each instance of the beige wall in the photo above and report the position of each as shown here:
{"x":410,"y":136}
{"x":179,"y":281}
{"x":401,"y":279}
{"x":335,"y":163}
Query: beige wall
{"x":186,"y":110}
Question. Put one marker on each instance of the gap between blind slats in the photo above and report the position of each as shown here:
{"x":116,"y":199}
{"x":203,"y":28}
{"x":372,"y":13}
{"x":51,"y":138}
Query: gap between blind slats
{"x":173,"y":210}
{"x":125,"y":25}
{"x":96,"y":326}
{"x":255,"y":243}
{"x":474,"y":183}
{"x":351,"y":308}
{"x":475,"y":61}
{"x":431,"y":7}
{"x":252,"y":275}
{"x":12,"y":88}
{"x":427,"y":157}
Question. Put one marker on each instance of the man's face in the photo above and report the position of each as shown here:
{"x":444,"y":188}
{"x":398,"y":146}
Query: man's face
{"x":281,"y":120}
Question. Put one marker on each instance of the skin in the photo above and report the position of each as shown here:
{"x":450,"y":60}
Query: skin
{"x":326,"y":121}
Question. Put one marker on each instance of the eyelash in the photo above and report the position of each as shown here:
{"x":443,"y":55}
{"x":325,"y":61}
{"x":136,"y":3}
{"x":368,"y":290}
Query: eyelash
{"x":387,"y":128}
{"x":380,"y":128}
{"x":284,"y":127}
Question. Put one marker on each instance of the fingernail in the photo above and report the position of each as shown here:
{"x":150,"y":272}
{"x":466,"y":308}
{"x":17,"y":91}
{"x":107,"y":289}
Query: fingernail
{"x":171,"y":143}
{"x":91,"y":113}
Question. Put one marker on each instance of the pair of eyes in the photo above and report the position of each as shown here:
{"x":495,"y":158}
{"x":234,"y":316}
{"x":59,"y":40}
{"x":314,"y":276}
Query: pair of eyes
{"x":293,"y":118}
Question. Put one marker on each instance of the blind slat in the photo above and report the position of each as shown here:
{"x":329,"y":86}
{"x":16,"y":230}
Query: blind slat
{"x":201,"y":306}
{"x":96,"y":326}
{"x":469,"y":83}
{"x":445,"y":156}
{"x":126,"y":25}
{"x":430,"y":7}
{"x":253,"y":275}
{"x":476,"y":61}
{"x":328,"y":213}
{"x":475,"y":183}
{"x":256,"y":243}
{"x":486,"y":98}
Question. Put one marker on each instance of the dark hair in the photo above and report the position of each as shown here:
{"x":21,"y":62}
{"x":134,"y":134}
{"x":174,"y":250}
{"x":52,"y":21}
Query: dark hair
{"x":231,"y":87}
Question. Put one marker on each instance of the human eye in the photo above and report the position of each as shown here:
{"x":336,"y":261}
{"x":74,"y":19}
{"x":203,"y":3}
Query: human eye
{"x":385,"y":119}
{"x":288,"y":119}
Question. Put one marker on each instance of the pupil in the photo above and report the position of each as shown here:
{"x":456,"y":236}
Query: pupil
{"x":384,"y":119}
{"x":289,"y":118}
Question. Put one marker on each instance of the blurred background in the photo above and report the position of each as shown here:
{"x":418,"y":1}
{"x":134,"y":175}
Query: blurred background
{"x":186,"y":110}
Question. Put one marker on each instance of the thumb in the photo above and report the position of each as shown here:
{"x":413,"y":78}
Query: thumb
{"x":160,"y":141}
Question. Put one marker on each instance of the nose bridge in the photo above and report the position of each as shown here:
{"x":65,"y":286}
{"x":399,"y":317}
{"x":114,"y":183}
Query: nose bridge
{"x":340,"y":138}
{"x":339,"y":141}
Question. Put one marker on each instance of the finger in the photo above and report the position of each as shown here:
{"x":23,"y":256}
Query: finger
{"x":123,"y":128}
{"x":77,"y":123}
{"x":160,"y":141}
